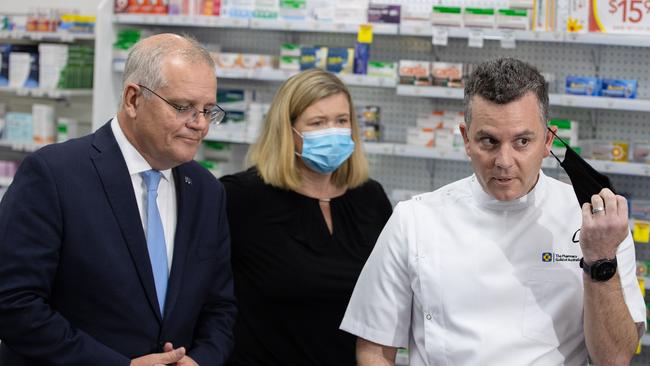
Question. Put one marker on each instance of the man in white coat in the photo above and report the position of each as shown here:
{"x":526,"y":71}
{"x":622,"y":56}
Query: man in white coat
{"x":503,"y":267}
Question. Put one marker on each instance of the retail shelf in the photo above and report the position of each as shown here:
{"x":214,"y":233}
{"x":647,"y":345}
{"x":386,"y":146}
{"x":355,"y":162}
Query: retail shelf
{"x":581,"y":101}
{"x":47,"y":36}
{"x":489,"y":34}
{"x":423,"y":30}
{"x":398,"y":149}
{"x":565,"y":100}
{"x":47,"y":93}
{"x":405,"y":150}
{"x":282,"y":75}
{"x":225,"y":135}
{"x":430,"y":91}
{"x":316,"y":26}
{"x":5,"y":181}
{"x":633,"y":40}
{"x":182,"y":20}
{"x":21,"y":146}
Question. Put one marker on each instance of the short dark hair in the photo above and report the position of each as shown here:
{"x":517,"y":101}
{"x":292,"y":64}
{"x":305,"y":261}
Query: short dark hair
{"x":505,"y":80}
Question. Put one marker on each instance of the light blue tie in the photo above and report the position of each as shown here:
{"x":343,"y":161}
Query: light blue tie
{"x":156,"y":237}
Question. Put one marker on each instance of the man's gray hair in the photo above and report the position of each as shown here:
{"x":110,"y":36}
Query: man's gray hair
{"x":505,"y":80}
{"x":144,"y":63}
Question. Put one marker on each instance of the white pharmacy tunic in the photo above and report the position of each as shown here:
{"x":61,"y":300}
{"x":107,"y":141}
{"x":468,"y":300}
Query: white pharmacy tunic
{"x":463,"y":279}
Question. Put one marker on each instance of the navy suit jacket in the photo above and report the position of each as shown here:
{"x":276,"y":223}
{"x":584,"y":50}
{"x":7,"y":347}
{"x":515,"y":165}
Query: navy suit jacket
{"x":76,"y":285}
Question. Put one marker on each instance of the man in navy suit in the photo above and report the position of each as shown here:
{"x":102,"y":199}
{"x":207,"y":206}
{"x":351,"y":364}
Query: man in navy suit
{"x":98,"y":266}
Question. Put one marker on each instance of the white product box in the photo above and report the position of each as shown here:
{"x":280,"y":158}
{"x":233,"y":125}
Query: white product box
{"x":44,"y":128}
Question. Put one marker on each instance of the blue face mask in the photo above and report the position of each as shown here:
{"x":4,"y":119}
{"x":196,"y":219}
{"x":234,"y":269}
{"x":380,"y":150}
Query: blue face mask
{"x":325,"y":150}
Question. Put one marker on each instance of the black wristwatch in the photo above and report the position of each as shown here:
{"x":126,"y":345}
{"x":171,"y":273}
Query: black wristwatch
{"x":601,"y":270}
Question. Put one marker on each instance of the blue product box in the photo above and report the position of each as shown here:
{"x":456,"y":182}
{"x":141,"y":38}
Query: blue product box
{"x":5,"y":49}
{"x":619,"y":88}
{"x":340,"y":60}
{"x":580,"y":85}
{"x":361,"y":56}
{"x":313,"y":57}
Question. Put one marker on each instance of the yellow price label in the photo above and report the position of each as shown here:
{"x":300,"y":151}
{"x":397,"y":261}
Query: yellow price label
{"x":365,"y":33}
{"x":641,"y":231}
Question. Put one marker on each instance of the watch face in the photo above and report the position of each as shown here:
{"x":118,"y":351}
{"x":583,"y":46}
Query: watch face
{"x":604,"y":271}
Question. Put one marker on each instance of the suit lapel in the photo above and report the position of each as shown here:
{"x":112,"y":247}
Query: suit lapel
{"x":113,"y":172}
{"x":186,"y":200}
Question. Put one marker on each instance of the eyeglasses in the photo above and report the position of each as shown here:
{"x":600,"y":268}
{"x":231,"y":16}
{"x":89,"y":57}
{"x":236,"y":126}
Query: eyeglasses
{"x":189,"y":114}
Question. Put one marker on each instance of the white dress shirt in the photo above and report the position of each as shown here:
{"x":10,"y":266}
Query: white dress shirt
{"x":463,"y":279}
{"x":136,"y":164}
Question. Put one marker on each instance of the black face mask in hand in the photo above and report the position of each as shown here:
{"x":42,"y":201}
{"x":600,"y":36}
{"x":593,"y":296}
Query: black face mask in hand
{"x":586,"y":180}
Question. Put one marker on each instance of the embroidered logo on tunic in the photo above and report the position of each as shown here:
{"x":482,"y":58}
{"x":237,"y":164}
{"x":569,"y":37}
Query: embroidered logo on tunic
{"x":559,"y":257}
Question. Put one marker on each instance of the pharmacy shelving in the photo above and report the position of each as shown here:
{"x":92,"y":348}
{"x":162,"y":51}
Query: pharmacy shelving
{"x":419,"y":30}
{"x":563,"y":100}
{"x":21,"y":146}
{"x":412,"y":151}
{"x":181,"y":20}
{"x":277,"y":75}
{"x":315,"y":26}
{"x":47,"y":93}
{"x":59,"y":36}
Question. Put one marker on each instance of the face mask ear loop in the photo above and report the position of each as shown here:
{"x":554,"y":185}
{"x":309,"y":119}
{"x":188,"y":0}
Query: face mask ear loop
{"x":562,"y":141}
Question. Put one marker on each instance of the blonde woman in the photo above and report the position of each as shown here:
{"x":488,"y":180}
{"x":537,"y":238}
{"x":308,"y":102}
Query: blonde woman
{"x":304,"y":219}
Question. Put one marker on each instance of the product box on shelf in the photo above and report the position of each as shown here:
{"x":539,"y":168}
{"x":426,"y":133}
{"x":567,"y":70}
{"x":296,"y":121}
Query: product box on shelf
{"x":18,"y":127}
{"x":44,"y":127}
{"x":313,"y":56}
{"x":419,"y":136}
{"x":382,"y":13}
{"x":544,"y":15}
{"x":619,"y":88}
{"x":321,"y":10}
{"x":23,"y":67}
{"x":641,"y":151}
{"x":340,"y":60}
{"x":382,"y":69}
{"x":479,"y":18}
{"x":447,"y":74}
{"x":611,"y":150}
{"x":575,"y":14}
{"x":447,"y":16}
{"x":581,"y":85}
{"x":567,"y":130}
{"x":518,"y":19}
{"x":293,"y":9}
{"x":414,"y":72}
{"x":267,"y":9}
{"x":369,"y":118}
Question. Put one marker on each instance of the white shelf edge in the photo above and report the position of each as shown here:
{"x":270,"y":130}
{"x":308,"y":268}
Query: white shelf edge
{"x":47,"y":36}
{"x":282,"y":75}
{"x":561,"y":100}
{"x":21,"y":146}
{"x":182,"y":20}
{"x":606,"y":39}
{"x":47,"y":93}
{"x":224,"y":135}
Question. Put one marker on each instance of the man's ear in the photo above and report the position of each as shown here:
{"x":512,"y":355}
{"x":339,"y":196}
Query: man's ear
{"x":548,"y":140}
{"x":130,"y":99}
{"x":464,"y":132}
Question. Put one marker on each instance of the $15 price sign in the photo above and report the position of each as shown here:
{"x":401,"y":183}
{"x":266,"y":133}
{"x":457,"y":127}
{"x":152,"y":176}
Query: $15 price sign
{"x":620,"y":16}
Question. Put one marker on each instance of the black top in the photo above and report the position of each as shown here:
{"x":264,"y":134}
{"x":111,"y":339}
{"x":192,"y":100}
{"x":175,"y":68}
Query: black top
{"x":293,"y":280}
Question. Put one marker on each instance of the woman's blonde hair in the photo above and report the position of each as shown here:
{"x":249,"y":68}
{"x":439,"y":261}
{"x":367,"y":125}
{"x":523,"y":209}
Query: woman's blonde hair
{"x":273,"y":152}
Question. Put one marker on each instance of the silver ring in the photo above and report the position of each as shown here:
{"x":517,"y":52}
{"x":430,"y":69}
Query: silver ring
{"x":596,"y":210}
